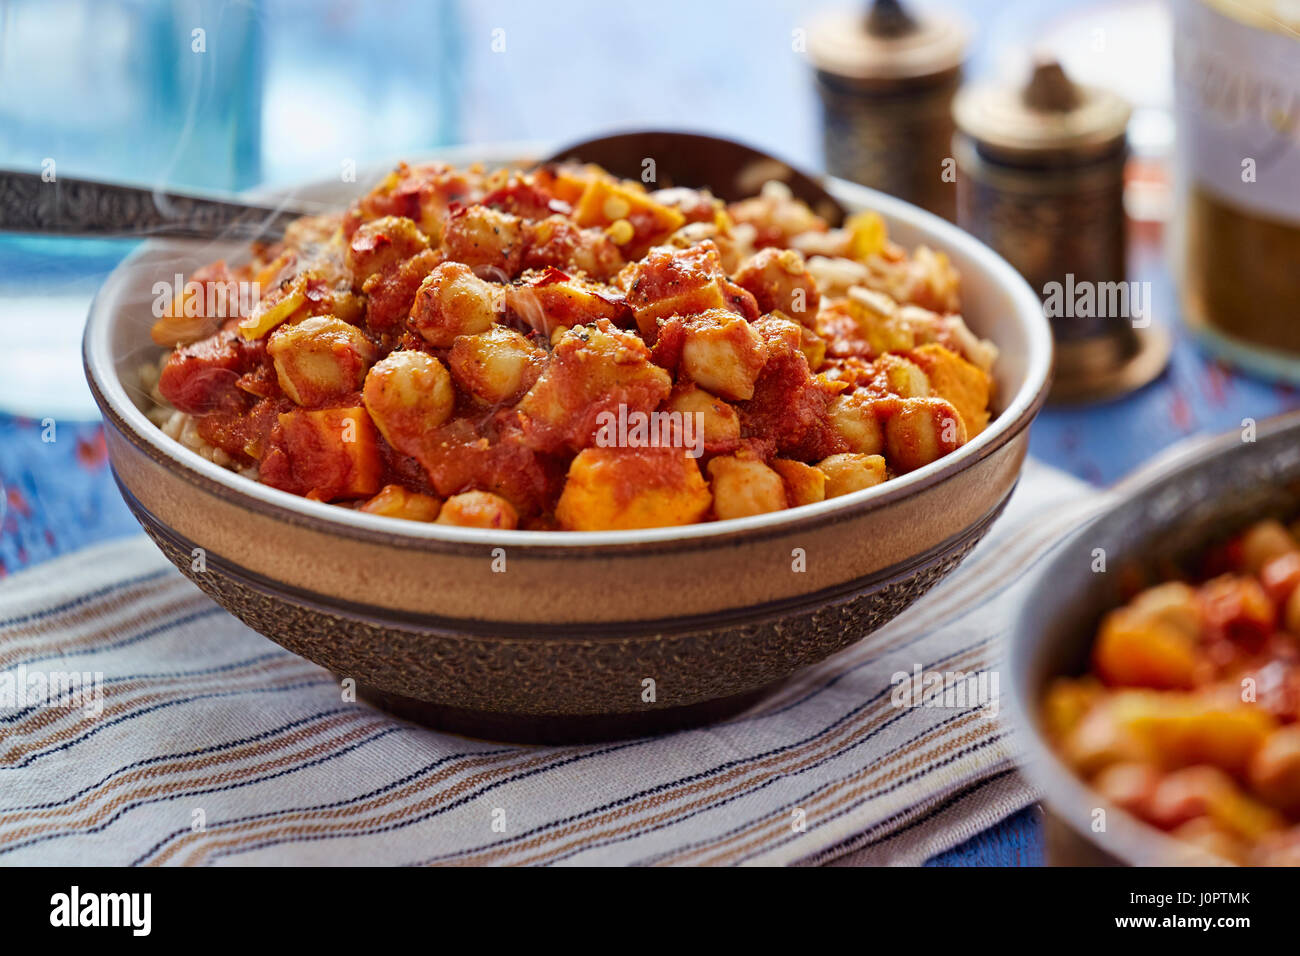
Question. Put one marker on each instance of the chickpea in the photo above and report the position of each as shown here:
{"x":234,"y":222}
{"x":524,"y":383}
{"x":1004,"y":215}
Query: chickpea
{"x":1208,"y":835}
{"x":1275,"y":769}
{"x":480,"y":236}
{"x":1100,"y":738}
{"x":1205,"y":791}
{"x":453,"y":301}
{"x":1174,"y":605}
{"x":847,"y":473}
{"x":394,"y":501}
{"x":382,"y":242}
{"x":853,"y":418}
{"x":744,"y":486}
{"x":319,"y":359}
{"x":722,"y":353}
{"x":922,"y":430}
{"x":779,"y":280}
{"x":497,"y":366}
{"x":408,"y":393}
{"x":479,"y":509}
{"x":719,"y":420}
{"x":902,"y":377}
{"x":1128,"y":785}
{"x":1263,"y":542}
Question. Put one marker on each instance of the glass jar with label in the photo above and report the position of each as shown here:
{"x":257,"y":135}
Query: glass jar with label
{"x":1237,"y":238}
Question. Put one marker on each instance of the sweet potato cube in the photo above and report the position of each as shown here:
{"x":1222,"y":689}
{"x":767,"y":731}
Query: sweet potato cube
{"x":1065,"y":704}
{"x":964,"y":385}
{"x":333,"y":452}
{"x":618,"y":488}
{"x":1174,"y":729}
{"x":674,"y":282}
{"x":1135,"y":650}
{"x":804,"y":484}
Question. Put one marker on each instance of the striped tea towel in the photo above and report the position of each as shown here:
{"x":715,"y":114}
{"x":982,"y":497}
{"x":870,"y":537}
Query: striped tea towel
{"x":141,"y":724}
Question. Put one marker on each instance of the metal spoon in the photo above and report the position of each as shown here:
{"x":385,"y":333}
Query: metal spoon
{"x":69,"y":206}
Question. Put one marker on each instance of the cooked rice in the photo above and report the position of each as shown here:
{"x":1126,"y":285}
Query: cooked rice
{"x":180,"y":426}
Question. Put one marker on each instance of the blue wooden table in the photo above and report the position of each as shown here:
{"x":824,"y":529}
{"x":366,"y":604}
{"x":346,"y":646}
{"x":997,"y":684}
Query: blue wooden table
{"x":58,"y":495}
{"x":56,"y":491}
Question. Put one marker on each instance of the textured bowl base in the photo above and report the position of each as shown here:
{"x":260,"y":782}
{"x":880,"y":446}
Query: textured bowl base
{"x":566,"y":683}
{"x":558,"y":729}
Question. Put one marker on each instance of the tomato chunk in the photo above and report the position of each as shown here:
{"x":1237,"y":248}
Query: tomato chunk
{"x":326,"y":454}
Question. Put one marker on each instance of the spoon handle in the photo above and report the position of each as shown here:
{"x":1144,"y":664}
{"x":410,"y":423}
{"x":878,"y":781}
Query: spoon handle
{"x":68,"y":206}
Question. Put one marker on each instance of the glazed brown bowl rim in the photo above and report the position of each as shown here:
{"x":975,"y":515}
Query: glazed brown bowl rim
{"x":116,"y":405}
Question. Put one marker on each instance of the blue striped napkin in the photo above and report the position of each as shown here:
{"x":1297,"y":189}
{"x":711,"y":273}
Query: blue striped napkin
{"x":141,"y":724}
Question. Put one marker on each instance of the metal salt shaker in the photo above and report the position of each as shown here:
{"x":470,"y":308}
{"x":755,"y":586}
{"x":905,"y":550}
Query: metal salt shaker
{"x":886,"y":80}
{"x":1041,"y":180}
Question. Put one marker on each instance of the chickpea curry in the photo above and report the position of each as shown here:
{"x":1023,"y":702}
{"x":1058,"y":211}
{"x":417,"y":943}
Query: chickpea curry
{"x":455,"y":346}
{"x":1190,"y":715}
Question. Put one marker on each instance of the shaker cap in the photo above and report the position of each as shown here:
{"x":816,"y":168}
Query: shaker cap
{"x":1048,"y":114}
{"x":888,"y":43}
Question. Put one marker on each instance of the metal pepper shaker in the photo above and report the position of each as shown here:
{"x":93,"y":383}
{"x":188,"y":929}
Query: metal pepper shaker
{"x":1041,"y":180}
{"x":886,"y":80}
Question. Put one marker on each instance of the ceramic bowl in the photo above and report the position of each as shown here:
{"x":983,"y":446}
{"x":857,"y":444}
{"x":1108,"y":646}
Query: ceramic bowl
{"x":553,"y":636}
{"x":1169,"y":511}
